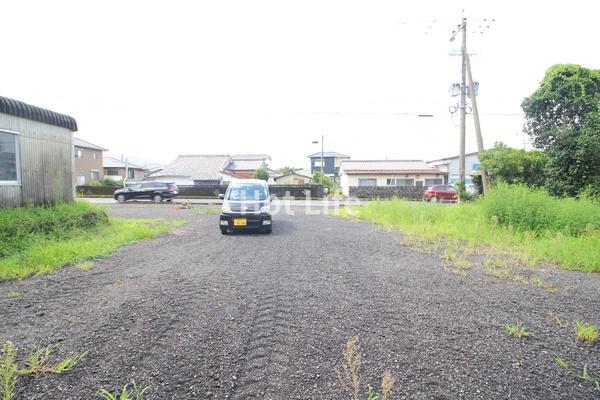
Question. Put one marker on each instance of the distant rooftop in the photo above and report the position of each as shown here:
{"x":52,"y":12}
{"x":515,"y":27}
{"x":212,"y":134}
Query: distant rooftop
{"x":453,"y":157}
{"x":197,"y":166}
{"x":354,"y":167}
{"x":87,"y":145}
{"x":264,"y":157}
{"x":111,"y":162}
{"x":329,"y":154}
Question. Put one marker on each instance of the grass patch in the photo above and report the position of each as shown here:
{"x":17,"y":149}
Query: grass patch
{"x":49,"y":245}
{"x":22,"y":227}
{"x":518,"y":222}
{"x":587,"y":333}
{"x":125,"y":393}
{"x":517,"y":330}
{"x":37,"y":363}
{"x":8,"y":370}
{"x":206,"y":211}
{"x":556,"y":320}
{"x":349,"y":374}
{"x":13,"y":295}
{"x":84,"y":265}
{"x":585,"y":374}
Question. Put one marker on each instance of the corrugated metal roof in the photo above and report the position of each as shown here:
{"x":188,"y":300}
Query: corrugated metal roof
{"x":329,"y":154}
{"x":111,"y":162}
{"x":386,"y":167}
{"x":196,"y":167}
{"x":82,"y":143}
{"x":27,"y":111}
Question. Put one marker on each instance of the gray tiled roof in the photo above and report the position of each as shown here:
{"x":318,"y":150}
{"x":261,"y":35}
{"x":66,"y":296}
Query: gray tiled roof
{"x":263,"y":157}
{"x":197,"y":166}
{"x":241,"y":165}
{"x":329,"y":154}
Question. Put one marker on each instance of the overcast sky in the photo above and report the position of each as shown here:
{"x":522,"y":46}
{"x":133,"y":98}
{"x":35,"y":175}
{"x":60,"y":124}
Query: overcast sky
{"x":152,"y":80}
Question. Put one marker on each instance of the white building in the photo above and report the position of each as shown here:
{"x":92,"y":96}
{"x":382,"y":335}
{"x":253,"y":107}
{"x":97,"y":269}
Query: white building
{"x":450,"y":168}
{"x":387,"y":173}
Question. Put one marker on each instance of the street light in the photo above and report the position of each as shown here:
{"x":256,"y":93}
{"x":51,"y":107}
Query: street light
{"x":322,"y":151}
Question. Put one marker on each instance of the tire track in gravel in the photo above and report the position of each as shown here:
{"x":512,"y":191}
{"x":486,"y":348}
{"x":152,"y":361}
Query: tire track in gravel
{"x":265,"y":357}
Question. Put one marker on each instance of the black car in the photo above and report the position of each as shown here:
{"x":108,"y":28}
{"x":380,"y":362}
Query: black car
{"x":155,"y":191}
{"x":246,"y":206}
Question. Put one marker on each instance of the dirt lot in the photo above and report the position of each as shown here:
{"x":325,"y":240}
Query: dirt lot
{"x":196,"y":315}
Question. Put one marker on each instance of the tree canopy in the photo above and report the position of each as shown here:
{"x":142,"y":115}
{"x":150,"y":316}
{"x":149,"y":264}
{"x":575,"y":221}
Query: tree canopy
{"x":288,"y":170}
{"x":566,"y":98}
{"x":563,"y":118}
{"x":261,"y":173}
{"x":509,"y":165}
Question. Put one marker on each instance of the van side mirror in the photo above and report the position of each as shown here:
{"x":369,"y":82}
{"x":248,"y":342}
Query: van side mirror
{"x":221,"y":196}
{"x":271,"y":197}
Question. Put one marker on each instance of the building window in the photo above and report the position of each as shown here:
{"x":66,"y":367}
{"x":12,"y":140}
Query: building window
{"x":9,"y":158}
{"x":94,"y":155}
{"x":111,"y":171}
{"x":367,"y":182}
{"x":130,"y":173}
{"x":95,"y":175}
{"x":317,"y":164}
{"x":78,"y":154}
{"x":436,"y":181}
{"x":400,"y":182}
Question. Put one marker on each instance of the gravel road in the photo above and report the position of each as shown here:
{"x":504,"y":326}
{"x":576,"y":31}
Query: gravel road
{"x":197,"y":315}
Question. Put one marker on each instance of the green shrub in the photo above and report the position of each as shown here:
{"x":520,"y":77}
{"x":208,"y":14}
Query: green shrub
{"x":19,"y":227}
{"x":534,"y":210}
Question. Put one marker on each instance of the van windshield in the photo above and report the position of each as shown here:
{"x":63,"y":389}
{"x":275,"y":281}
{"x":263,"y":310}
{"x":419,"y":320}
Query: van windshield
{"x":247,"y":191}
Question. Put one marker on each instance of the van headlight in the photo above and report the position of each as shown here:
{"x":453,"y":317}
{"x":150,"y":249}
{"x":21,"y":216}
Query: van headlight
{"x":265,"y":209}
{"x":226,"y":208}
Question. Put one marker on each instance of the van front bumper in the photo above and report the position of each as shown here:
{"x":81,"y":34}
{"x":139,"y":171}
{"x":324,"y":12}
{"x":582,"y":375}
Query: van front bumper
{"x":252,"y":221}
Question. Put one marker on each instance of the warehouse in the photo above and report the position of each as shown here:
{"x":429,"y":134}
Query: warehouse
{"x":36,"y":155}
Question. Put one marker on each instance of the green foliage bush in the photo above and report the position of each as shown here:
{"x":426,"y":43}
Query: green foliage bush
{"x":19,"y":227}
{"x":261,"y":173}
{"x":534,"y":210}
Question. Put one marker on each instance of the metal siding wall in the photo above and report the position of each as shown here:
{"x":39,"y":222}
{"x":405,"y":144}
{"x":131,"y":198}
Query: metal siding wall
{"x":46,"y":163}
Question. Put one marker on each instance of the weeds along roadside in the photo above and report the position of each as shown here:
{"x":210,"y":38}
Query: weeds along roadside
{"x":37,"y":240}
{"x":527,"y":224}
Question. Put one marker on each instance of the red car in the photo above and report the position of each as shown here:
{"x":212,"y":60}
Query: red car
{"x":436,"y":193}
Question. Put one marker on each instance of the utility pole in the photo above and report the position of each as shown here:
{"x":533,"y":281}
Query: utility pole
{"x":480,"y":148}
{"x":322,"y":154}
{"x":463,"y":102}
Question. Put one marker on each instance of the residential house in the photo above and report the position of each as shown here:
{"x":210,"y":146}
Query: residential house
{"x":331,"y":163}
{"x":119,"y":170}
{"x":245,"y":165}
{"x":294,"y":178}
{"x":196,"y":169}
{"x":36,"y":155}
{"x":387,"y":173}
{"x":215,"y":169}
{"x":88,"y":161}
{"x":450,"y":167}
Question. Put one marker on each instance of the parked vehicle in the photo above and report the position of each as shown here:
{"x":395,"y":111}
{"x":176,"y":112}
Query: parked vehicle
{"x":436,"y":193}
{"x":246,"y":206}
{"x":155,"y":191}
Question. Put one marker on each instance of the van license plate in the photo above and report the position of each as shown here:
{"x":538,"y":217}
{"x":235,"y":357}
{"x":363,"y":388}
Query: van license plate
{"x":239,"y":222}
